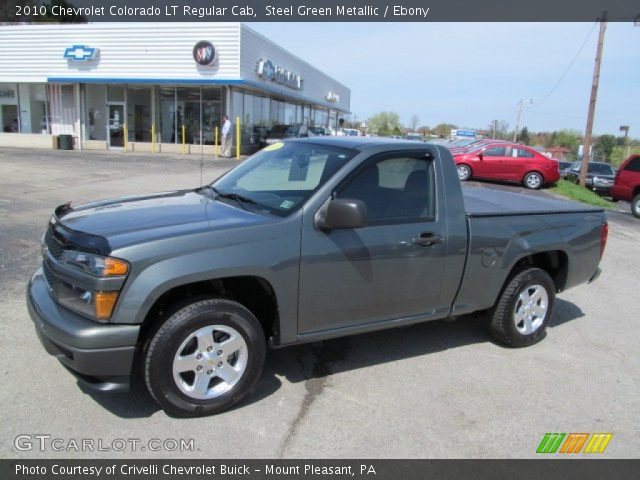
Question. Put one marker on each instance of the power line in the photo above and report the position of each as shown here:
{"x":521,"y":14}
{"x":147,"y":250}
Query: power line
{"x":568,"y":68}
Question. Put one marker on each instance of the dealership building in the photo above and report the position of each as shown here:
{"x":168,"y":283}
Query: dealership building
{"x":160,"y":86}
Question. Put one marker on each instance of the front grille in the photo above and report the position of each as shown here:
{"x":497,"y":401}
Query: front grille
{"x":48,"y":274}
{"x":53,"y":245}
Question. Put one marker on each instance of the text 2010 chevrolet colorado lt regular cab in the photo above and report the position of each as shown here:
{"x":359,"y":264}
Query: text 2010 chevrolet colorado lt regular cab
{"x":306,"y":240}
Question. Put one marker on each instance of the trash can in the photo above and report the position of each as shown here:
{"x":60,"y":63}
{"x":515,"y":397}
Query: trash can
{"x":66,"y":142}
{"x":54,"y":142}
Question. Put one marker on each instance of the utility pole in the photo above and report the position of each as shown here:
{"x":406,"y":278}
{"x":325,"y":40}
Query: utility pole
{"x":518,"y":113}
{"x":586,"y":150}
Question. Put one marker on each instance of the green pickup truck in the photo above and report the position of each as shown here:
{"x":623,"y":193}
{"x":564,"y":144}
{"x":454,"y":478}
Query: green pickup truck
{"x":309,"y":239}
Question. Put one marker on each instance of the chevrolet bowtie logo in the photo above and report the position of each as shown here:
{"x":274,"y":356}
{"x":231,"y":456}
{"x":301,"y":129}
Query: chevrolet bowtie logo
{"x":80,"y":53}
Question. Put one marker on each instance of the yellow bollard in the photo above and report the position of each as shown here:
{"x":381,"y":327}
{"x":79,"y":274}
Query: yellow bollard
{"x":124,"y":126}
{"x":183,"y":140}
{"x":215,"y":142}
{"x":238,"y":138}
{"x":153,"y":138}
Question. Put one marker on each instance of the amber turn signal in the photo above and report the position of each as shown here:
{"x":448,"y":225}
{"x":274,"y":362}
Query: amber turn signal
{"x":113,"y":266}
{"x":104,"y":302}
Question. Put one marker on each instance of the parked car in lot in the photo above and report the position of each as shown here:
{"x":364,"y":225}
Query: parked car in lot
{"x":307,"y":240}
{"x":416,"y":137}
{"x":475,"y":145}
{"x":319,"y":130}
{"x":564,"y":168}
{"x":277,"y":133}
{"x":510,"y":162}
{"x":627,"y":183}
{"x":600,"y":177}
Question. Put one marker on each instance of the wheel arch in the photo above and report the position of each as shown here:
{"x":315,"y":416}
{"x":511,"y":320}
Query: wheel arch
{"x":252,"y":291}
{"x":554,"y":262}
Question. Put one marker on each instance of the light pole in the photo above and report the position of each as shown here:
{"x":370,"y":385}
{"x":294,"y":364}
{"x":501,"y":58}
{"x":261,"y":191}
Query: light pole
{"x":625,"y":129}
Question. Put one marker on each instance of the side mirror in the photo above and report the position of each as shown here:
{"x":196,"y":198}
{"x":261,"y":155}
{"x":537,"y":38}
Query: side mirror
{"x":480,"y":155}
{"x":342,"y":213}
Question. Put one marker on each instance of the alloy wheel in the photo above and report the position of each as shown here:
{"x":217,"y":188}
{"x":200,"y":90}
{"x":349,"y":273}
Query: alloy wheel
{"x":210,"y":361}
{"x":531,"y":309}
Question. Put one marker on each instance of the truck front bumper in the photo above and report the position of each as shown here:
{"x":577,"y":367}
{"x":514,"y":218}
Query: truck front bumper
{"x":99,"y":355}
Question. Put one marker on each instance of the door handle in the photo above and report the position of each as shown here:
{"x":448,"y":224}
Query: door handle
{"x":427,"y":239}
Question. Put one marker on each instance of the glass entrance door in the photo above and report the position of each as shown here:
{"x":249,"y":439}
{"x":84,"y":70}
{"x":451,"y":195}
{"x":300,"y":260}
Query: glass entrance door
{"x":116,"y":125}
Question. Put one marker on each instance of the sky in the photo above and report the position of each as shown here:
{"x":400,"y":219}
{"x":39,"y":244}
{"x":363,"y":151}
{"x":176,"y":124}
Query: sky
{"x":469,"y":74}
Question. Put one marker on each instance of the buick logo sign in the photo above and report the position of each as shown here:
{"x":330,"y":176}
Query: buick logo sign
{"x":204,"y":53}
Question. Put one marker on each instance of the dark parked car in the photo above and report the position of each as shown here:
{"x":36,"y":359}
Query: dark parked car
{"x":319,"y":130}
{"x":564,"y":168}
{"x":600,"y":176}
{"x":278,"y":133}
{"x":627,"y":183}
{"x":307,"y":240}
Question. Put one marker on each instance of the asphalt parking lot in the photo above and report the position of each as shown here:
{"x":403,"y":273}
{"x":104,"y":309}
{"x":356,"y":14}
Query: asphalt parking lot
{"x":440,"y":389}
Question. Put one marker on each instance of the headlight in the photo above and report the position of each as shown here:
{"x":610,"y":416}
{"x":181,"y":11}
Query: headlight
{"x":95,"y":264}
{"x":589,"y":181}
{"x":96,"y":305}
{"x":602,"y":182}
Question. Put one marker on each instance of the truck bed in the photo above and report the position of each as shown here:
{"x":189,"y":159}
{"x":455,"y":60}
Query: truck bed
{"x":485,"y":202}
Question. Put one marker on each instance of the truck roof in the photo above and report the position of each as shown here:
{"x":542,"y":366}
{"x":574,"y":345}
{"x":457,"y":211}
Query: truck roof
{"x":360,"y":143}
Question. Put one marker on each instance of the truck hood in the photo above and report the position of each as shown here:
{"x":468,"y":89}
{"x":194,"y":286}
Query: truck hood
{"x":134,"y":219}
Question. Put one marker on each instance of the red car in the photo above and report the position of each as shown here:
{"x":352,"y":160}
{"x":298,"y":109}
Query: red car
{"x":508,"y":162}
{"x":627,"y":183}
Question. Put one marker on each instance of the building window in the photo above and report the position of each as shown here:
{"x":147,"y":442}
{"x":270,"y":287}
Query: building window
{"x":189,"y":112}
{"x":95,"y":97}
{"x":115,"y":93}
{"x":166,"y":113}
{"x":33,"y":108}
{"x":211,"y":113}
{"x":9,"y":118}
{"x":139,"y":114}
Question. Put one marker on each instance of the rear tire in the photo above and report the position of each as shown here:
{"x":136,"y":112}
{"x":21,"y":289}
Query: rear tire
{"x":522,"y":313}
{"x":533,"y":180}
{"x":635,"y":205}
{"x":204,"y":358}
{"x":464,"y":172}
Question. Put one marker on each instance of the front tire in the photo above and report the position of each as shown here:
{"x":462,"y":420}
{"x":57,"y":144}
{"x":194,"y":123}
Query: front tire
{"x":204,"y":358}
{"x":522,"y":313}
{"x":635,"y":205}
{"x":464,"y":172}
{"x":533,"y":180}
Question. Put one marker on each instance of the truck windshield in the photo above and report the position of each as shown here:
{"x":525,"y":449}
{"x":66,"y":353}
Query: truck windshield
{"x":282,"y":176}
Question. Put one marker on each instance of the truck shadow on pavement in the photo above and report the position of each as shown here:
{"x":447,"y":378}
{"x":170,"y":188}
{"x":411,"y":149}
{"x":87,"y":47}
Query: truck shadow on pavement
{"x":313,"y":363}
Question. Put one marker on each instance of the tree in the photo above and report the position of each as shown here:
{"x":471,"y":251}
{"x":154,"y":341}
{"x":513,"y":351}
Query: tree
{"x":570,"y":139}
{"x":414,"y":122}
{"x":523,"y":136}
{"x":444,"y":129}
{"x":604,"y":146}
{"x":385,"y":124}
{"x":424,"y":130}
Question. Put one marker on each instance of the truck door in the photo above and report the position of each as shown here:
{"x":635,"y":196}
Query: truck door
{"x":391,"y":268}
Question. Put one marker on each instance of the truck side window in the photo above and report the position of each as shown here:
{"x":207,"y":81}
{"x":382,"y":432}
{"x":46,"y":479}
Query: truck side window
{"x":395,"y":190}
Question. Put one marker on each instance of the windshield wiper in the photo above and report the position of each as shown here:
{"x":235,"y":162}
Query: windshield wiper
{"x":240,"y":199}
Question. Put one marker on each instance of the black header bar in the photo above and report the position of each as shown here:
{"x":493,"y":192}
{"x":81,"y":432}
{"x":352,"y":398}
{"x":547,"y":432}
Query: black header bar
{"x":318,"y":10}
